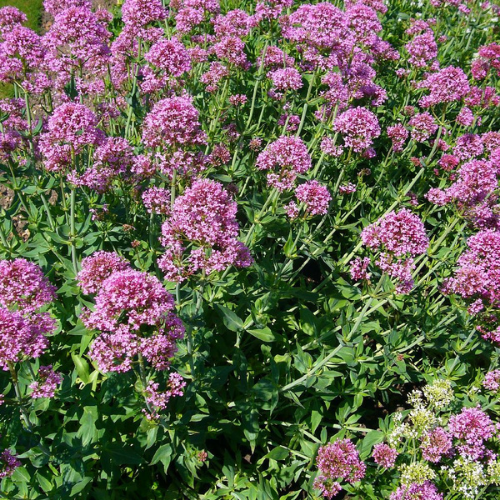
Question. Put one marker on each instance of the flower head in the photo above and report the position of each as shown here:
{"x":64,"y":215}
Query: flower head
{"x":24,"y":286}
{"x":205,"y":216}
{"x":47,"y":383}
{"x":447,"y":85}
{"x":99,"y":267}
{"x":384,"y":455}
{"x":315,"y":196}
{"x":400,"y":233}
{"x":287,"y":156}
{"x":358,"y":127}
{"x":171,"y":56}
{"x":173,"y":121}
{"x":127,"y":300}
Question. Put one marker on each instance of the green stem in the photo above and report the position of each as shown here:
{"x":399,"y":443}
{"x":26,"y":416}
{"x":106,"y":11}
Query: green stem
{"x":73,"y":230}
{"x":317,"y":366}
{"x":15,"y":382}
{"x":4,"y":239}
{"x":306,"y":105}
{"x":172,"y":188}
{"x":17,"y":189}
{"x":47,"y":210}
{"x":269,"y":200}
{"x":142,"y":375}
{"x":255,"y":89}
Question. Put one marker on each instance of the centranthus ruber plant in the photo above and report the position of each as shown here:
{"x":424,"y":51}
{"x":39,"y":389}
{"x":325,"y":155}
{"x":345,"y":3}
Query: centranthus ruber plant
{"x":249,"y":249}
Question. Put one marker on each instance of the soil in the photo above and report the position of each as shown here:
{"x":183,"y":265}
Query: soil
{"x":6,"y":197}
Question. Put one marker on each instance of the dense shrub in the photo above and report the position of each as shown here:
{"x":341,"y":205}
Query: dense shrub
{"x":250,"y":250}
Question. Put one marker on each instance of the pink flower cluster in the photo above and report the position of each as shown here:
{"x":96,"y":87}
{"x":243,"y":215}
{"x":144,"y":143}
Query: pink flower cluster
{"x":398,"y":269}
{"x":476,"y":181}
{"x":113,"y":160}
{"x":346,"y":44}
{"x":78,"y":40}
{"x":422,"y":49}
{"x":400,"y":236}
{"x":216,"y":73}
{"x":23,"y":337}
{"x":23,"y":286}
{"x":235,"y":23}
{"x":191,"y":13}
{"x":475,"y":187}
{"x":384,"y":455}
{"x":400,"y":233}
{"x":336,"y":462}
{"x":8,"y":463}
{"x":133,"y":312}
{"x":348,"y":188}
{"x":322,"y":26}
{"x":315,"y":197}
{"x":447,"y":85}
{"x":202,"y":220}
{"x":478,"y":274}
{"x":23,"y":291}
{"x":54,"y":7}
{"x":99,"y":267}
{"x":423,"y":126}
{"x":140,"y":13}
{"x":465,"y":117}
{"x":468,"y":146}
{"x":173,"y":122}
{"x":472,"y":427}
{"x":358,"y":127}
{"x":329,"y":148}
{"x":286,"y":79}
{"x":359,"y":269}
{"x":169,"y":60}
{"x":489,"y":58}
{"x":415,"y":491}
{"x":477,"y":278}
{"x":46,"y":385}
{"x":436,"y":443}
{"x":156,"y":200}
{"x":286,"y":158}
{"x":398,"y":134}
{"x":171,"y":56}
{"x":71,"y":128}
{"x":127,"y":300}
{"x":11,"y":17}
{"x":492,"y":380}
{"x":157,"y":400}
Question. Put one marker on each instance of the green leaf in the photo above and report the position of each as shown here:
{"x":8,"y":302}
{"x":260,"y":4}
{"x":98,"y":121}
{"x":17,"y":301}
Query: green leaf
{"x":264,"y":334}
{"x":82,"y":368}
{"x":151,"y":437}
{"x":79,"y":329}
{"x":87,"y":424}
{"x":163,"y":455}
{"x":21,"y":475}
{"x":251,"y":427}
{"x":80,"y":486}
{"x":278,"y":453}
{"x":289,"y":248}
{"x":29,"y":189}
{"x":232,"y":321}
{"x":371,"y":439}
{"x":44,"y":483}
{"x":121,"y":454}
